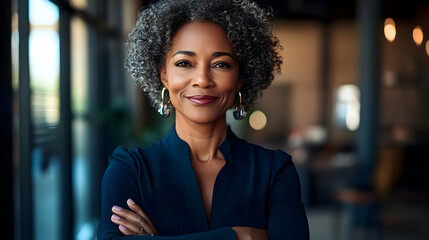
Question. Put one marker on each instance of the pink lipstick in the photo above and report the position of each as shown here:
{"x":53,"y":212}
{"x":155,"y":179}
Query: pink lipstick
{"x":202,"y":99}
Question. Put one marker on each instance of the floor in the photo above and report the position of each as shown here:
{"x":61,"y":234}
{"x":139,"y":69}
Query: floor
{"x":402,"y":215}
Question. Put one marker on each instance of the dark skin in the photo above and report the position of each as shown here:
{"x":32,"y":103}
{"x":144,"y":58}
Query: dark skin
{"x":200,"y":62}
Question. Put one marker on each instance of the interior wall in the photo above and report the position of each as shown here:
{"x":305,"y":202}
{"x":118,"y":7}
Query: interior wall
{"x":301,"y":70}
{"x":343,"y":69}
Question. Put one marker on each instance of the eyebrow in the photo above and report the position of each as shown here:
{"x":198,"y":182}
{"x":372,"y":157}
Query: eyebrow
{"x":185,"y":52}
{"x":215,"y":54}
{"x":218,"y":54}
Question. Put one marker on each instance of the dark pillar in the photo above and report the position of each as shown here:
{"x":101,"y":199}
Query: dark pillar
{"x":6,"y":169}
{"x":369,"y":81}
{"x":26,"y":226}
{"x":99,"y":100}
{"x":66,"y":195}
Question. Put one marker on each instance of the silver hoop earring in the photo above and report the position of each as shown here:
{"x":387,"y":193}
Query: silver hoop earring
{"x":164,"y":108}
{"x":239,"y":112}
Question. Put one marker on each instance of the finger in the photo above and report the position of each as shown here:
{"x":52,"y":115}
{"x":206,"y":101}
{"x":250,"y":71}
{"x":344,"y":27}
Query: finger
{"x":124,"y":213}
{"x":135,"y":207}
{"x":135,"y":219}
{"x":131,"y":219}
{"x":127,"y":227}
{"x":125,"y":230}
{"x":127,"y":214}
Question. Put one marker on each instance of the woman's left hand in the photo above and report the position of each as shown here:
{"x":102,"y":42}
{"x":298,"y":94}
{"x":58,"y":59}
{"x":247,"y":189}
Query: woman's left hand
{"x":135,"y":222}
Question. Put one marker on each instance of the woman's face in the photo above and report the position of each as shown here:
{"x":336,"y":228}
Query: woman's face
{"x":201,"y":72}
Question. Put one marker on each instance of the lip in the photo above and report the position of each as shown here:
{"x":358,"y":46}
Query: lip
{"x":202,"y":99}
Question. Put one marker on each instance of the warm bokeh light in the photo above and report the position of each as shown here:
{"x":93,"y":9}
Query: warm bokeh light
{"x":418,"y":35}
{"x":257,"y":120}
{"x":427,"y":47}
{"x":80,"y":4}
{"x":15,"y":52}
{"x":389,"y":29}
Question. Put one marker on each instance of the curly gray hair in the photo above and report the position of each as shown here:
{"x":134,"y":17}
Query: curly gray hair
{"x":248,"y":27}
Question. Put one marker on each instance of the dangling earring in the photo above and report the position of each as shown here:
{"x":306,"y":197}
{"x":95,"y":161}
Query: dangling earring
{"x":239,"y":112}
{"x":164,"y":108}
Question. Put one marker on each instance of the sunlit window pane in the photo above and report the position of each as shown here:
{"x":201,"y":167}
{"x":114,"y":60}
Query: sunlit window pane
{"x":44,"y":72}
{"x":43,"y":12}
{"x":79,"y":61}
{"x":44,"y":58}
{"x":44,"y":63}
{"x":85,"y":226}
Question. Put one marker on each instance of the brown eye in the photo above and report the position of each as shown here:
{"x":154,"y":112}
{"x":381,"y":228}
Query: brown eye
{"x":222,"y":65}
{"x":183,"y":64}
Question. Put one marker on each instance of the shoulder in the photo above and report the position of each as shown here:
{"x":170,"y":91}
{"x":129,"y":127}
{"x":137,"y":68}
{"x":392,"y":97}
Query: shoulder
{"x":138,"y":156}
{"x":277,"y":157}
{"x":125,"y":158}
{"x":276,"y":164}
{"x":123,"y":154}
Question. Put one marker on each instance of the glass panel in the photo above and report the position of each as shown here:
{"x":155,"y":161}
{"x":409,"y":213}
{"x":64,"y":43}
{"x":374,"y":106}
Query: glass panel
{"x":15,"y":102}
{"x":79,"y":66}
{"x":85,"y":225}
{"x":44,"y":73}
{"x":44,"y":82}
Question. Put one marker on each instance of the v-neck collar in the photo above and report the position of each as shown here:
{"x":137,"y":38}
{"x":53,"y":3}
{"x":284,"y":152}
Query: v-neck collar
{"x":180,"y":148}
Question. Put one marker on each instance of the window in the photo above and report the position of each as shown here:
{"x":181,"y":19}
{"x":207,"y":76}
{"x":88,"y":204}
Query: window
{"x":67,"y":71}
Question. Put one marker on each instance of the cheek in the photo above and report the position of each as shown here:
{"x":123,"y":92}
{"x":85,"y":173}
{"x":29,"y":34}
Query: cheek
{"x":230,"y":90}
{"x":176,"y":83}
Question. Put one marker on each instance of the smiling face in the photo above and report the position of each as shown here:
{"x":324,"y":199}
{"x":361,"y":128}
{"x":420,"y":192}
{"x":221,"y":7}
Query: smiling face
{"x":201,"y":72}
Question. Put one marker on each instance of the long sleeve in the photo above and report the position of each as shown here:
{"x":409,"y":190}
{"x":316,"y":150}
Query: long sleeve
{"x":221,"y":233}
{"x":287,"y":218}
{"x":120,"y":182}
{"x":257,"y":187}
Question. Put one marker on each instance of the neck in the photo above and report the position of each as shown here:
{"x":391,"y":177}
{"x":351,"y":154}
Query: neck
{"x":203,"y":139}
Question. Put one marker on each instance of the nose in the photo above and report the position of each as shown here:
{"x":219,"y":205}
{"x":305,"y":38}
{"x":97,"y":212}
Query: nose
{"x":203,"y":78}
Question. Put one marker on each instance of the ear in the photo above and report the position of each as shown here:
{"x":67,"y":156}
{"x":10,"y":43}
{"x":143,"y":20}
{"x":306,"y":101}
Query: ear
{"x":163,"y":75}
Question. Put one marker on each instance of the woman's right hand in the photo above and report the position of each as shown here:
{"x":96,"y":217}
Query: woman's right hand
{"x":249,"y":233}
{"x":134,"y":222}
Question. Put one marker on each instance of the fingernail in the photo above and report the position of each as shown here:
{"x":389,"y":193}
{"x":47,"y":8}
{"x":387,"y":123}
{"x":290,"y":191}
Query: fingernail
{"x":117,"y":208}
{"x":131,"y":201}
{"x":122,"y":227}
{"x":116,"y":217}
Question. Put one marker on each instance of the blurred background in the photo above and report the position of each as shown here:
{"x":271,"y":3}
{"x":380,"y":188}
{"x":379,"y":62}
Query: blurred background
{"x":351,"y":106}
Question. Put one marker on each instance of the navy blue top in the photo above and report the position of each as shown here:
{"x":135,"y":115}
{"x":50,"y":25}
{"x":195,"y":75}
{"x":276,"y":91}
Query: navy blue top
{"x":256,"y":188}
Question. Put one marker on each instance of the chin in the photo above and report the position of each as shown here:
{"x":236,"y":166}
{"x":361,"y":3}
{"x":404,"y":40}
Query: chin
{"x":203,"y":116}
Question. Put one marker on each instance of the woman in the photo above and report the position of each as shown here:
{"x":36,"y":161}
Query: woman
{"x":201,"y":181}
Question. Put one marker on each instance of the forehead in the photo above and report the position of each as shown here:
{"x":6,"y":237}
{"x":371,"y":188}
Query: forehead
{"x":201,"y":36}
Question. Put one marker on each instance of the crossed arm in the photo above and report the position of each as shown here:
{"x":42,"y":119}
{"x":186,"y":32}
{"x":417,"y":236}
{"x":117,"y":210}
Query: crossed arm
{"x":136,"y":222}
{"x":286,"y":214}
